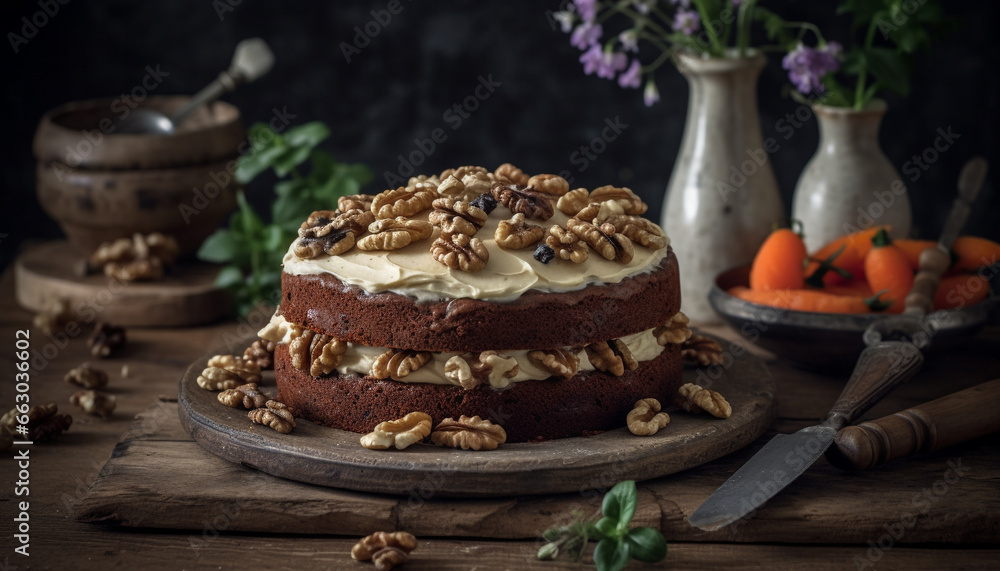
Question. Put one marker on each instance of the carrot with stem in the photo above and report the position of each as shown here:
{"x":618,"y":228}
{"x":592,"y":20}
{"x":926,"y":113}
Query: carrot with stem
{"x":887,"y":268}
{"x":851,"y":259}
{"x":810,"y":300}
{"x":778,"y":263}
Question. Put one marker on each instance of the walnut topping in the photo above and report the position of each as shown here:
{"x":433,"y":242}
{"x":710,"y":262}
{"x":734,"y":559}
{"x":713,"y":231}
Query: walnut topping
{"x":44,"y":422}
{"x":703,"y":350}
{"x":639,"y":230}
{"x":261,"y":353}
{"x":460,"y":252}
{"x":460,"y":172}
{"x":394,"y":233}
{"x":399,"y":433}
{"x":675,"y":331}
{"x":93,"y":402}
{"x":531,"y":203}
{"x":423,"y":182}
{"x":247,"y":371}
{"x":471,"y":370}
{"x":559,"y":362}
{"x":143,"y":257}
{"x":629,"y":200}
{"x":274,"y":414}
{"x":246,"y":396}
{"x":457,"y":216}
{"x":87,"y":377}
{"x":217,"y":379}
{"x":332,"y":233}
{"x":398,"y":363}
{"x":388,"y":558}
{"x":567,"y":245}
{"x":603,"y":239}
{"x":611,"y":357}
{"x":454,"y":188}
{"x":645,"y":419}
{"x":511,"y":173}
{"x":515,"y":234}
{"x":106,"y":340}
{"x":361,"y":202}
{"x":364,"y":549}
{"x":598,"y":212}
{"x":551,"y":184}
{"x":318,"y":353}
{"x":694,"y":398}
{"x":402,"y":202}
{"x":469,"y":433}
{"x":573,"y":201}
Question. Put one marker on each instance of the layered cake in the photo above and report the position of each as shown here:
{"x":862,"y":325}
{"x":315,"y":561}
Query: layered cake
{"x":545,"y":310}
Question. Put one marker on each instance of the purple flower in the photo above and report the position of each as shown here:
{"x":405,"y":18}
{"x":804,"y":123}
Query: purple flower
{"x":587,"y":9}
{"x":591,"y":59}
{"x":629,"y":40}
{"x":687,"y":22}
{"x":586,"y":35}
{"x":806,"y":66}
{"x":651,"y":94}
{"x":632,"y":76}
{"x":604,"y":63}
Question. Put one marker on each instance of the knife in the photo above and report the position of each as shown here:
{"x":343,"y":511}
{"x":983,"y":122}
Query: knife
{"x":892,"y":355}
{"x":949,"y":420}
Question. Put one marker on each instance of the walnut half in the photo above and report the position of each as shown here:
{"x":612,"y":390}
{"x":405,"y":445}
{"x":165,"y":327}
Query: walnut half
{"x":399,"y":433}
{"x":369,"y":545}
{"x":516,"y":234}
{"x":398,"y":363}
{"x":674,"y":331}
{"x":471,"y":370}
{"x":460,"y":252}
{"x":611,"y":357}
{"x":469,"y":433}
{"x":274,"y":414}
{"x":645,"y":418}
{"x":694,"y":398}
{"x":559,"y":362}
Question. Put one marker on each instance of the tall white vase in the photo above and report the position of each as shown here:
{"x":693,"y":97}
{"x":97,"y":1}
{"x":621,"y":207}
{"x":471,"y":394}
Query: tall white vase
{"x":849,"y":184}
{"x":722,"y":199}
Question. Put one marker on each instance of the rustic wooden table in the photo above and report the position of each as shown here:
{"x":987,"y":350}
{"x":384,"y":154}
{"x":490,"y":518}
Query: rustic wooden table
{"x":827,"y":520}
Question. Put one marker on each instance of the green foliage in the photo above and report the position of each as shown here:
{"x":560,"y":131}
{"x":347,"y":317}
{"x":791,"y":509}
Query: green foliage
{"x":253,"y":250}
{"x":616,"y":543}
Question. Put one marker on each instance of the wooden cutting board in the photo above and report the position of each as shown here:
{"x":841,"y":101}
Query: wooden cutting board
{"x":329,"y":457}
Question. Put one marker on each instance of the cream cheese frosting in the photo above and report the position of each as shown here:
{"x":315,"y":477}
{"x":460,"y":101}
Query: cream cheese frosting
{"x":358,"y":359}
{"x":413,"y":272}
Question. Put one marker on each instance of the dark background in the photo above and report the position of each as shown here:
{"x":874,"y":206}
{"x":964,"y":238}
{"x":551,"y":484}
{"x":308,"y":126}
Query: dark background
{"x":430,"y":56}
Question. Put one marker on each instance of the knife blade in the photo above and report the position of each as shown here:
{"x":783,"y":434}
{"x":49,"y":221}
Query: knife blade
{"x":893,"y":353}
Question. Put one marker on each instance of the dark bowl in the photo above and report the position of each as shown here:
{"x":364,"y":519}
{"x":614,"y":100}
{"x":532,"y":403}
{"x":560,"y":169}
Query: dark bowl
{"x":825,"y":341}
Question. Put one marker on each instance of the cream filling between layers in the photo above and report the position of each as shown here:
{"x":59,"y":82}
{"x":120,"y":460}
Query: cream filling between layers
{"x":358,"y":359}
{"x":413,"y":272}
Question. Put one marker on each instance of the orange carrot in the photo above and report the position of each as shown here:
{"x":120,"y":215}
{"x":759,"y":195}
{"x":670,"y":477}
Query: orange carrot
{"x":853,"y":287}
{"x":913,"y":249}
{"x":851,"y":259}
{"x":808,"y":300}
{"x":963,"y":290}
{"x":887,"y":268}
{"x":778,"y":263}
{"x":974,"y":253}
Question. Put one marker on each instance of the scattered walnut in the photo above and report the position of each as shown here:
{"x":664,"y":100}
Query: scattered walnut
{"x":398,"y":363}
{"x":457,"y":216}
{"x":573,"y":201}
{"x":399,"y":433}
{"x":423,"y":182}
{"x":274,"y":414}
{"x":246,"y":396}
{"x":261,"y":353}
{"x":460,"y":252}
{"x":44,"y":422}
{"x":639,"y":230}
{"x":675,"y":331}
{"x":454,"y":188}
{"x":368,"y":546}
{"x":318,"y":353}
{"x":331,"y":233}
{"x":361,"y":202}
{"x":87,"y":377}
{"x":93,"y":402}
{"x":106,"y":340}
{"x":389,"y":557}
{"x":567,"y":245}
{"x":560,"y":362}
{"x":217,"y":379}
{"x":402,"y":202}
{"x":515,"y":234}
{"x":53,"y":317}
{"x":624,"y":196}
{"x":703,"y":350}
{"x":394,"y":233}
{"x":693,"y":398}
{"x":531,"y":203}
{"x":460,"y":172}
{"x":469,"y":433}
{"x":611,"y":357}
{"x":645,"y":419}
{"x":551,"y":184}
{"x":511,"y":173}
{"x":603,"y":239}
{"x":470,"y":370}
{"x":247,"y":371}
{"x":143,"y":257}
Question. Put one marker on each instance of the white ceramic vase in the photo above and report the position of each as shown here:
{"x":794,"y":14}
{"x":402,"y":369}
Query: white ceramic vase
{"x":849,"y":184}
{"x":722,"y":199}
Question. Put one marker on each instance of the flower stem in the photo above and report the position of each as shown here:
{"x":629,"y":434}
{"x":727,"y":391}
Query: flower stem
{"x":706,"y":24}
{"x":860,"y":99}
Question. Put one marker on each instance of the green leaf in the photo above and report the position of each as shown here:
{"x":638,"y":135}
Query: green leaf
{"x":256,"y":161}
{"x":607,"y":527}
{"x":619,"y":502}
{"x":291,"y":158}
{"x":646,"y":544}
{"x":610,"y":555}
{"x":889,"y":69}
{"x":273,"y":238}
{"x":229,"y":276}
{"x":308,"y":135}
{"x":291,"y":208}
{"x":221,"y":247}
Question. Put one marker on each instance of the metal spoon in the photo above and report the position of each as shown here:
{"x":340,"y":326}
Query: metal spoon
{"x":251,"y":60}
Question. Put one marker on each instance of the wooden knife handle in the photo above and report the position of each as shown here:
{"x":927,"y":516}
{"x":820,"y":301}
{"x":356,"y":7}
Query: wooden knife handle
{"x":948,"y":420}
{"x":881,"y":367}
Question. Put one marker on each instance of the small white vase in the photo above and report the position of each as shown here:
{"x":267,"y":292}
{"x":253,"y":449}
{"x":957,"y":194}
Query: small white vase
{"x":849,"y":184}
{"x":722,"y":199}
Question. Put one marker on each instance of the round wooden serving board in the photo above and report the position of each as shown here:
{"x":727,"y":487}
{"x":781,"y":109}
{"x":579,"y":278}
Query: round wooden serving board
{"x":187,"y":297}
{"x":330,"y":457}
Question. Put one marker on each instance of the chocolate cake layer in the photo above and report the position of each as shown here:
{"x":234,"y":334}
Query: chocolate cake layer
{"x":528,"y":410}
{"x":535,"y":320}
